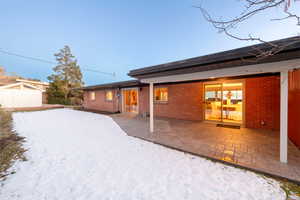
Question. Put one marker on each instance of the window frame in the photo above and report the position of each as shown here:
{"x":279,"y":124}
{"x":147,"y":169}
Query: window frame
{"x":161,"y":101}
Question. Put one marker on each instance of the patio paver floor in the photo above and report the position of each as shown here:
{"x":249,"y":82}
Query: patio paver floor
{"x":250,"y":148}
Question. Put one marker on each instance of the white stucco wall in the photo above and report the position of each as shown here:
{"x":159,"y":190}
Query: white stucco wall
{"x":16,"y":98}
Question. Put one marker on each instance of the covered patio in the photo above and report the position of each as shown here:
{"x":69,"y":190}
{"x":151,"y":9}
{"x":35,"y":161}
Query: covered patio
{"x":253,"y":149}
{"x":236,"y":63}
{"x":260,"y":149}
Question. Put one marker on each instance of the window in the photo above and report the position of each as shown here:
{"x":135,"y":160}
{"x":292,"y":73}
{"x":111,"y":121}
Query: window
{"x":109,"y":95}
{"x":161,"y":94}
{"x":92,"y":96}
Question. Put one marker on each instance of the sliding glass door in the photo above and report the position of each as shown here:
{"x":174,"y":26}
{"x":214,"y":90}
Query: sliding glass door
{"x":224,"y":102}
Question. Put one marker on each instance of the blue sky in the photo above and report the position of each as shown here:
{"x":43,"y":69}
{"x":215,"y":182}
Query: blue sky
{"x":117,"y":35}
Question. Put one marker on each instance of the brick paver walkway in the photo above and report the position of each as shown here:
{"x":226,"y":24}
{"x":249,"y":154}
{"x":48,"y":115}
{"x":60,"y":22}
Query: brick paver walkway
{"x":250,"y":148}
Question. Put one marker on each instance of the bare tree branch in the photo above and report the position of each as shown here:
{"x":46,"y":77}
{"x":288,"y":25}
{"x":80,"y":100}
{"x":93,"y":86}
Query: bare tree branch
{"x":289,"y":15}
{"x":252,"y":7}
{"x":231,"y":23}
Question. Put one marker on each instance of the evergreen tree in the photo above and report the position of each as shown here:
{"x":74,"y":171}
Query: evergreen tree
{"x":66,"y":78}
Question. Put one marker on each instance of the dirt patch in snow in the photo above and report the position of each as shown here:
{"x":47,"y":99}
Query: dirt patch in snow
{"x":10,"y":144}
{"x":291,"y":189}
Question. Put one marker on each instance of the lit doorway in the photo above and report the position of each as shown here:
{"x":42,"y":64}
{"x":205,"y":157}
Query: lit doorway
{"x":224,"y":102}
{"x":130,"y":100}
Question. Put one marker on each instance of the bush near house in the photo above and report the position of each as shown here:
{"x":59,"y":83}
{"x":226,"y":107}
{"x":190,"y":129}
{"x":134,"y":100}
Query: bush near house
{"x":10,"y":144}
{"x":56,"y":95}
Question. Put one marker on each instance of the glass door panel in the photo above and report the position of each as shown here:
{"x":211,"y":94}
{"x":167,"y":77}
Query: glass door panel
{"x":232,"y":108}
{"x":133,"y":101}
{"x":126,"y":95}
{"x":213,"y":103}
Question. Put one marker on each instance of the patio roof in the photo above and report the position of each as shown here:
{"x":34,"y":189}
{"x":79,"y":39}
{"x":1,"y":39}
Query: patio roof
{"x":227,"y":59}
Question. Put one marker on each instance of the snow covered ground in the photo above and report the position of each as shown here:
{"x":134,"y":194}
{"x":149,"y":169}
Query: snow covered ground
{"x":76,"y":155}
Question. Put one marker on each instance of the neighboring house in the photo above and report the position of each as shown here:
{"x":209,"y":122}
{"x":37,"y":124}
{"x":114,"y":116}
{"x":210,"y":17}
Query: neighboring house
{"x":41,"y":85}
{"x":21,"y":93}
{"x":18,"y":95}
{"x":231,"y":87}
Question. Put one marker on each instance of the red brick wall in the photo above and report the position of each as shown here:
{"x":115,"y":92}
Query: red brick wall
{"x":100,"y":103}
{"x":184,"y":101}
{"x":294,"y":107}
{"x":143,"y":100}
{"x":262,"y":102}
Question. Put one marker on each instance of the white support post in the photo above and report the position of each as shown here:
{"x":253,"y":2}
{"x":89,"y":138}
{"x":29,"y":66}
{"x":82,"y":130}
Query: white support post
{"x":283,"y":116}
{"x":151,"y":107}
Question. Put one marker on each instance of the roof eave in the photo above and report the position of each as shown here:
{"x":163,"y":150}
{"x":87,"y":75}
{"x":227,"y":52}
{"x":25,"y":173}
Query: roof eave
{"x":219,"y":65}
{"x":235,"y":54}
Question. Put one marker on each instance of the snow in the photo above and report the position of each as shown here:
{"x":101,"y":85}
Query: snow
{"x":84,"y":156}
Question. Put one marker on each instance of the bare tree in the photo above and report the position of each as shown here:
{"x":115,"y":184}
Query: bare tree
{"x":252,"y":8}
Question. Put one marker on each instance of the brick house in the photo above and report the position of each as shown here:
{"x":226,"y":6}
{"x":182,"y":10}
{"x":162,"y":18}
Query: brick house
{"x":231,"y":87}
